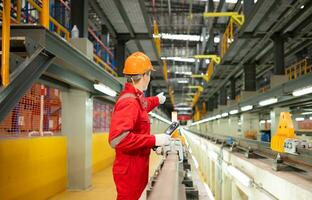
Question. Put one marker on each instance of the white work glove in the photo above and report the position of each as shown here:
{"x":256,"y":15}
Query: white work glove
{"x":161,"y":97}
{"x":159,"y":150}
{"x":162,"y":139}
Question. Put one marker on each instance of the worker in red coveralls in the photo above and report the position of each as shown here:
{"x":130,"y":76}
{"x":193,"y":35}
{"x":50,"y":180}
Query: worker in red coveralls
{"x":129,"y":131}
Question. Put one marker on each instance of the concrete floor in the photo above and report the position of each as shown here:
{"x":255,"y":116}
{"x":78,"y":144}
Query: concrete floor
{"x":103,"y":185}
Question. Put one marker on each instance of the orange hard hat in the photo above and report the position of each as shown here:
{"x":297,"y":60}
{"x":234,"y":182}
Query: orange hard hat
{"x":137,"y":63}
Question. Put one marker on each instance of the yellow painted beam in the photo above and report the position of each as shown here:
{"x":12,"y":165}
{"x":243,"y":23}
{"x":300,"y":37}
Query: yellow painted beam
{"x":18,"y":12}
{"x":45,"y":14}
{"x":198,"y":76}
{"x":5,"y":57}
{"x":220,"y":14}
{"x":214,"y":58}
{"x":238,"y":18}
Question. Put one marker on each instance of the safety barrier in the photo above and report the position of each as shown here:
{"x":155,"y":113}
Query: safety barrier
{"x":298,"y":69}
{"x":59,"y":28}
{"x":38,"y":112}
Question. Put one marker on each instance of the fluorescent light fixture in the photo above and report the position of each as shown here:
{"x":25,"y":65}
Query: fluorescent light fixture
{"x":262,"y":121}
{"x":184,"y":73}
{"x":105,"y":89}
{"x":216,"y":39}
{"x":269,"y":121}
{"x":225,"y":114}
{"x":183,"y":81}
{"x":246,"y":108}
{"x":184,"y":37}
{"x":183,"y":108}
{"x":239,"y":123}
{"x":213,"y":155}
{"x":240,"y":176}
{"x":218,"y":116}
{"x":179,"y":59}
{"x":159,"y":117}
{"x":233,"y":112}
{"x":268,"y":102}
{"x":306,"y":113}
{"x":302,"y":91}
{"x":299,"y":119}
{"x":310,"y":118}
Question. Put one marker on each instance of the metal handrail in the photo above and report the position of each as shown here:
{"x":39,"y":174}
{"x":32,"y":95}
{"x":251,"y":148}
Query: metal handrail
{"x":59,"y":28}
{"x":98,"y":60}
{"x":298,"y":69}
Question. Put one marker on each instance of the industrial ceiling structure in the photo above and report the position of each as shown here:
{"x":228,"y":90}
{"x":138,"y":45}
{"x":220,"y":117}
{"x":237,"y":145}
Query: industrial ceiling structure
{"x":186,"y":30}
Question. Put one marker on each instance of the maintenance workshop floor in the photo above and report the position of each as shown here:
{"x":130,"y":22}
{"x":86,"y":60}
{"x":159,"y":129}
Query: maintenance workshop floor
{"x":103,"y":186}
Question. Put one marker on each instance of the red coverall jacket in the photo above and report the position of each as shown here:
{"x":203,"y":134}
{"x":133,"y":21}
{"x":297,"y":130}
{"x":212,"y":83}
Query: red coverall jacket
{"x":130,"y":136}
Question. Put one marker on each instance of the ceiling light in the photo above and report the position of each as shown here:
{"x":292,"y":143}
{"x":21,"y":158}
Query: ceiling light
{"x":299,"y":119}
{"x":240,"y":176}
{"x":303,"y":91}
{"x":218,"y":116}
{"x":207,"y":61}
{"x":306,"y":113}
{"x":246,"y":108}
{"x":179,"y":59}
{"x":184,"y":73}
{"x":183,"y":81}
{"x":268,"y":102}
{"x":269,"y":121}
{"x":185,"y":108}
{"x":105,"y":89}
{"x":168,"y":36}
{"x":262,"y":122}
{"x":225,"y":114}
{"x":310,"y":118}
{"x":301,"y":7}
{"x":216,"y":39}
{"x":233,"y":112}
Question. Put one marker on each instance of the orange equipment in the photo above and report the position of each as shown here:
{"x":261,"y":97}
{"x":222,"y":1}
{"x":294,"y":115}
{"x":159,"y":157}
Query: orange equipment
{"x":176,"y":134}
{"x":284,"y":131}
{"x":137,"y":63}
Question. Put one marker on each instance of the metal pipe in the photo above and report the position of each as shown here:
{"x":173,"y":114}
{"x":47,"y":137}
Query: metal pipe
{"x":18,"y":11}
{"x":5,"y":57}
{"x":45,"y":15}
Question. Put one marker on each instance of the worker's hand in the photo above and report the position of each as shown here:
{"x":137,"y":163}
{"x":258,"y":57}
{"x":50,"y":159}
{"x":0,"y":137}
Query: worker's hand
{"x":159,"y":150}
{"x":161,"y":97}
{"x":162,"y":139}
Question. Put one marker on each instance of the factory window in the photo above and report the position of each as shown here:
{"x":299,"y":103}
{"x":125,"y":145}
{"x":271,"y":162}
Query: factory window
{"x":101,"y":116}
{"x":28,"y":118}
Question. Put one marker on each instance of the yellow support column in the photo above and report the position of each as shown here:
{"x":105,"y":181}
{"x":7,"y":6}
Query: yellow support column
{"x":19,"y":9}
{"x":45,"y":15}
{"x":5,"y":59}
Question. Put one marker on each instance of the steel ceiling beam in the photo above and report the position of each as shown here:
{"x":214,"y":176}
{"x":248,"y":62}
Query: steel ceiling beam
{"x":126,"y":19}
{"x":96,"y":7}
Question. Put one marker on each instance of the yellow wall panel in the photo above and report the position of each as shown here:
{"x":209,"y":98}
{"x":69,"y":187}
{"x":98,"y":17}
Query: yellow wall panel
{"x":32,"y":168}
{"x":102,"y":153}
